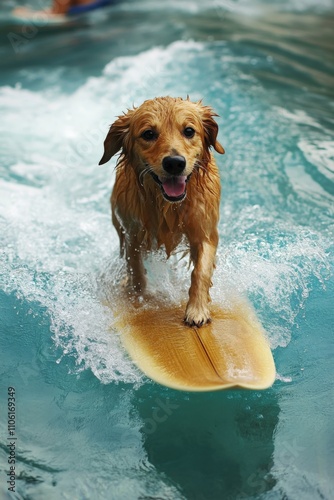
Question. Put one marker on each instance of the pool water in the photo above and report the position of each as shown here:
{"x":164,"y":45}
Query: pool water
{"x":86,"y":423}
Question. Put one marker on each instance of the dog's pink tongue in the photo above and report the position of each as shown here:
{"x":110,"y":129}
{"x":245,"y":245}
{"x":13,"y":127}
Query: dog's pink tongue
{"x":175,"y":186}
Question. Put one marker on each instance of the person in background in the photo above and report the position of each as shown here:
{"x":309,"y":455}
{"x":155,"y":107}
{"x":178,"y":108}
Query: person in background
{"x":65,"y":6}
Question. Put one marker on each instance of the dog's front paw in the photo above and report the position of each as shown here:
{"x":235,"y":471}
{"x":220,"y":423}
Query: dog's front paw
{"x":197,"y":316}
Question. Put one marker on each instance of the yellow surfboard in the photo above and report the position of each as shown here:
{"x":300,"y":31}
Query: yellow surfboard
{"x":231,"y":351}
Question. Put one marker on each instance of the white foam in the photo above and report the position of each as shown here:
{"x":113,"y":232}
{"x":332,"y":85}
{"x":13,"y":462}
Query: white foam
{"x":274,"y":265}
{"x":321,"y":154}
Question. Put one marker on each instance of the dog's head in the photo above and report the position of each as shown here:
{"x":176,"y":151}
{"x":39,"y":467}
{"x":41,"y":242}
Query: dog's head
{"x":167,"y":138}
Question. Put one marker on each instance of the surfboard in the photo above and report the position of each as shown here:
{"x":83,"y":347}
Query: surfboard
{"x":230,"y":352}
{"x":43,"y":18}
{"x":32,"y":20}
{"x":24,"y":15}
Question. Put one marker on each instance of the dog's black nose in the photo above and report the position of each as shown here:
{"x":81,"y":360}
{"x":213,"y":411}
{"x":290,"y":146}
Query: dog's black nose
{"x":174,"y":165}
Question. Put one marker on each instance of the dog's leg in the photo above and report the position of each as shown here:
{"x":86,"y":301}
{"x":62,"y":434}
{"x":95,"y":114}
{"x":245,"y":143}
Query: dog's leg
{"x":203,"y":256}
{"x":130,"y":238}
{"x":134,"y":261}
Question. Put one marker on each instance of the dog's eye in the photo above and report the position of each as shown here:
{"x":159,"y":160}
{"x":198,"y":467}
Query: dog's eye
{"x":189,"y":132}
{"x":149,"y":135}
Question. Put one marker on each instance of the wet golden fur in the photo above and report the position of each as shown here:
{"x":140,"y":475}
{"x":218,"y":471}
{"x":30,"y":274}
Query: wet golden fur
{"x":142,"y":216}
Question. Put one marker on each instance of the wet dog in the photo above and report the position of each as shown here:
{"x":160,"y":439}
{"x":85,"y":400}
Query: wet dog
{"x":167,"y":188}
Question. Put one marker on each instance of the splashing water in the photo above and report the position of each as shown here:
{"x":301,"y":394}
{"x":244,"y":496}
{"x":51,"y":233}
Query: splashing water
{"x":57,"y":234}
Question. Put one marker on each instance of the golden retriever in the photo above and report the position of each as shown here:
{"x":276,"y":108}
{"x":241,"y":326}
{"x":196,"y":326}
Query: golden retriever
{"x":167,"y":188}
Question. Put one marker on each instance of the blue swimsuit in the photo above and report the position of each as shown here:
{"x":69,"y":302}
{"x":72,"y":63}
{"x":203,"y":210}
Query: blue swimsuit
{"x":80,"y":9}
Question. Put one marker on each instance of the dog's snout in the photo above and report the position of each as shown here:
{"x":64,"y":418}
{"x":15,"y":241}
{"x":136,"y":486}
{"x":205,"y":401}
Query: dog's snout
{"x":174,"y":165}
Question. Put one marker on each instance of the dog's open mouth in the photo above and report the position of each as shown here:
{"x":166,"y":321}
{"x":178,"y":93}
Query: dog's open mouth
{"x":174,"y":187}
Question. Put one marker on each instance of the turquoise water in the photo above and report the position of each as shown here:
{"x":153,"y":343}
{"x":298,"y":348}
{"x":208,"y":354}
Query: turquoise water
{"x":86,"y":423}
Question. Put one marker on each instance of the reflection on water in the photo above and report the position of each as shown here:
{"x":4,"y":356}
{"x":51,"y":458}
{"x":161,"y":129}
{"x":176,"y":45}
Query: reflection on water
{"x":215,"y":446}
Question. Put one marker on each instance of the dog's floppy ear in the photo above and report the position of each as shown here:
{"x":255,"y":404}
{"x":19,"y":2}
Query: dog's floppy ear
{"x":117,"y":137}
{"x":211,"y":129}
